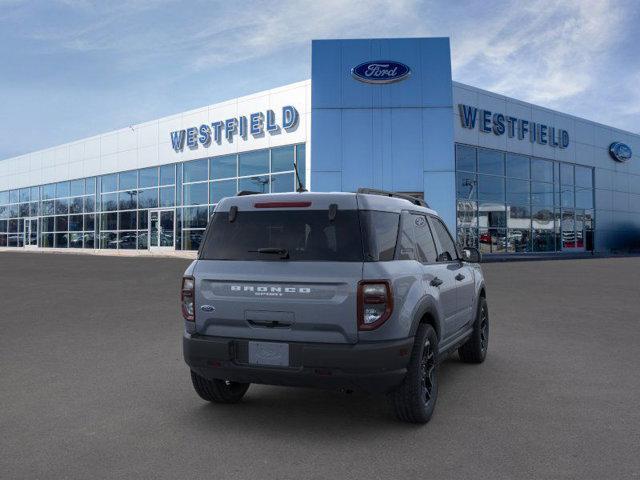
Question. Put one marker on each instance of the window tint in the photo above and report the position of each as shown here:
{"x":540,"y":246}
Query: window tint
{"x":406,"y":239}
{"x":380,"y":232}
{"x":424,"y":240}
{"x":306,"y":235}
{"x":446,"y":246}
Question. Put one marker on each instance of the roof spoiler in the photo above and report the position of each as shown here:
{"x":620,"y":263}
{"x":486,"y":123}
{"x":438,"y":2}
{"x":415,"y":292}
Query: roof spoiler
{"x":415,"y":200}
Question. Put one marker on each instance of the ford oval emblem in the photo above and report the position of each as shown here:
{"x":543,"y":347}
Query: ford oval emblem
{"x":380,"y":71}
{"x":620,"y":151}
{"x":207,"y":308}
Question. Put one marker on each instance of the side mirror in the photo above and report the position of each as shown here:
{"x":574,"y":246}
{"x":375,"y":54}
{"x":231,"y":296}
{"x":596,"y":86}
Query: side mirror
{"x":471,"y":255}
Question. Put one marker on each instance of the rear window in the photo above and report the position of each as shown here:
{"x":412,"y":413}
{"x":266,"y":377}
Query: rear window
{"x":301,"y":235}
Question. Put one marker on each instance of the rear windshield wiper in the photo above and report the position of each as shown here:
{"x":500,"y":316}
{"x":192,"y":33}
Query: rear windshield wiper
{"x":283,"y":252}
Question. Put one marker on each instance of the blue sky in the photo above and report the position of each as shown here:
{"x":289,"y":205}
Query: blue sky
{"x":74,"y":68}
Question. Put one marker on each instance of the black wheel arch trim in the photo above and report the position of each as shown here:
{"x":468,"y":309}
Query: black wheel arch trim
{"x":427,"y":306}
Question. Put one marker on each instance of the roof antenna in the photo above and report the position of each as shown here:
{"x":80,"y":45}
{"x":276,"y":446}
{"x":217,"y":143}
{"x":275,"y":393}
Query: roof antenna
{"x":300,"y":188}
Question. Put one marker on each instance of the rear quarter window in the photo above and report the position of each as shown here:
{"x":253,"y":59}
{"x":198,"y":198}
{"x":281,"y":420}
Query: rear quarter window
{"x":380,"y":234}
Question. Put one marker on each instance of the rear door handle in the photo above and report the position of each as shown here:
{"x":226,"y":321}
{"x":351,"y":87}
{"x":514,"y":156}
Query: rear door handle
{"x":436,"y":282}
{"x":460,"y":277}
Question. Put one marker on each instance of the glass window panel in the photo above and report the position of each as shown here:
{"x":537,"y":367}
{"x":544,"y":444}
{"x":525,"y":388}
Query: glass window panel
{"x":196,"y":194}
{"x":76,"y":187}
{"x":13,"y":210}
{"x":127,"y":200}
{"x":258,"y":184}
{"x":167,"y":195}
{"x":14,"y":196}
{"x":75,"y":223}
{"x":148,"y":177}
{"x":465,"y":158}
{"x":282,"y":183}
{"x":301,"y":160}
{"x":192,"y":239}
{"x":109,"y":221}
{"x":195,"y":170}
{"x":490,"y":161}
{"x":13,"y":226}
{"x":62,"y":223}
{"x":584,"y":177}
{"x":252,"y":163}
{"x":109,"y":201}
{"x":24,"y":210}
{"x":143,"y":239}
{"x":542,"y":218}
{"x":518,"y":240}
{"x":109,"y":183}
{"x":219,"y":190}
{"x":75,"y":240}
{"x":89,"y":204}
{"x":62,"y":206}
{"x":3,"y":226}
{"x":466,"y":185}
{"x":168,"y":175}
{"x":223,"y":167}
{"x":4,"y":198}
{"x":519,"y":217}
{"x":491,"y":188}
{"x":543,"y":240}
{"x":128,"y":180}
{"x":566,"y":194}
{"x":492,"y":240}
{"x":517,"y":191}
{"x":179,"y":187}
{"x":62,"y":240}
{"x":467,"y":214}
{"x":128,"y":240}
{"x":282,"y":159}
{"x":89,"y":222}
{"x":62,"y":189}
{"x":89,"y":240}
{"x":33,"y":209}
{"x":566,"y":174}
{"x":35,"y":194}
{"x":517,"y":166}
{"x":492,"y":215}
{"x":48,"y":224}
{"x":46,"y":240}
{"x":541,"y":193}
{"x":541,"y":170}
{"x":195,"y":217}
{"x":143,"y":219}
{"x":48,"y":192}
{"x":568,"y":229}
{"x":75,"y":205}
{"x":584,"y":197}
{"x":108,"y":240}
{"x":148,"y":198}
{"x":3,"y":240}
{"x":90,"y":185}
{"x":128,"y":220}
{"x":24,"y":195}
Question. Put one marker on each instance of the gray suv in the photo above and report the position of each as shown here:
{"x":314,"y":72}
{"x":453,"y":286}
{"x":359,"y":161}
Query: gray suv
{"x":363,"y":291}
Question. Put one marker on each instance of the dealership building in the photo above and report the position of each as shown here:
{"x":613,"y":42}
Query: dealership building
{"x":507,"y":176}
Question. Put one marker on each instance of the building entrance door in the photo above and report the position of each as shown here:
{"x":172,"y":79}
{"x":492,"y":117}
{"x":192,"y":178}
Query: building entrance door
{"x":162,"y":229}
{"x":30,"y":232}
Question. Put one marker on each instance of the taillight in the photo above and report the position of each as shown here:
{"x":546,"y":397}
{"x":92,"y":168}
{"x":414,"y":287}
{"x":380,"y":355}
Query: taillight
{"x":375,"y":303}
{"x":187,"y":298}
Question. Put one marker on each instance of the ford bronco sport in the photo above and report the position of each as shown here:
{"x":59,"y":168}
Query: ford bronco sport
{"x":351,"y":291}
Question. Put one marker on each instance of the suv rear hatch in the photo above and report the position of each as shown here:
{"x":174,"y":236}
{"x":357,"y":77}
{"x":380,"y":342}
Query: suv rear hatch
{"x":281,"y":267}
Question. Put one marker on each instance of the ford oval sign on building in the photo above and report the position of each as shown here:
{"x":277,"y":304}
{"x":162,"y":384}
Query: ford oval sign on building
{"x":380,"y":71}
{"x":620,"y":152}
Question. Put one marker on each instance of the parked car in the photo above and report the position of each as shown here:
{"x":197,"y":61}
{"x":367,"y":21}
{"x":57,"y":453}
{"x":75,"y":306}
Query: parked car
{"x":339,"y":290}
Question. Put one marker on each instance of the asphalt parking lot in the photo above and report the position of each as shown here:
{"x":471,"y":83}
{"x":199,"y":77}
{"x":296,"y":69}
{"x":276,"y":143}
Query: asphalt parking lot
{"x":93,"y":385}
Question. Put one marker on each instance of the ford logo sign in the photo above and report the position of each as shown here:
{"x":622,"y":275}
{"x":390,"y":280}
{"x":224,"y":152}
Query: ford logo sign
{"x":380,"y":71}
{"x":620,"y":152}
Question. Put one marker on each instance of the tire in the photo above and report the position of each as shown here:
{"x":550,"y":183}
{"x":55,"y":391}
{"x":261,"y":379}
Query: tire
{"x":415,"y":399}
{"x":475,"y":349}
{"x":218,"y":391}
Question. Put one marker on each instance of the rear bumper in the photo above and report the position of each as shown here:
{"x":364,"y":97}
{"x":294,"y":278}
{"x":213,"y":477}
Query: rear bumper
{"x":372,"y":367}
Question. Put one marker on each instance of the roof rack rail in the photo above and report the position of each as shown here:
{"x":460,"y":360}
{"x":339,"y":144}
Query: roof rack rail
{"x":414,"y":200}
{"x":246,"y":192}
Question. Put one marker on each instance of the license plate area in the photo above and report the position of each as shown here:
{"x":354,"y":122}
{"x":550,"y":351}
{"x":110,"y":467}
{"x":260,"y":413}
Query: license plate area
{"x":269,"y":353}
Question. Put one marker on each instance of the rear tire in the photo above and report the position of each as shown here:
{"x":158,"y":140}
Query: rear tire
{"x":475,"y":349}
{"x":218,"y":391}
{"x":415,"y":399}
